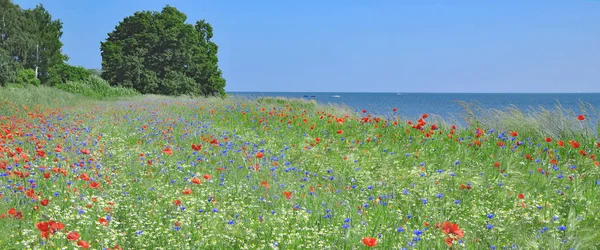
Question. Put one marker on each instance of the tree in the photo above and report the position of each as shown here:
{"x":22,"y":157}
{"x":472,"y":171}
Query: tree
{"x":29,"y":39}
{"x":158,"y":53}
{"x":46,"y":49}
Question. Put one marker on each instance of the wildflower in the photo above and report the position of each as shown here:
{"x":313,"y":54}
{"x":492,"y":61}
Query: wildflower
{"x":521,"y":196}
{"x":369,"y":241}
{"x":451,"y":228}
{"x":103,"y":221}
{"x":581,"y":117}
{"x":73,"y":236}
{"x":83,"y":244}
{"x":288,"y":194}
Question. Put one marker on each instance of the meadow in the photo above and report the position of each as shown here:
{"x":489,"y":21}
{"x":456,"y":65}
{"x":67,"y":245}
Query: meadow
{"x":154,"y":172}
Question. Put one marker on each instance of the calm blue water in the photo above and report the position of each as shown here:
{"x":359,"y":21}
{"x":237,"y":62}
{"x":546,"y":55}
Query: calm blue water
{"x":411,"y":105}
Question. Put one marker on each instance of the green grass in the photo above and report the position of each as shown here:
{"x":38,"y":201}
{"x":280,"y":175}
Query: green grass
{"x":96,"y":87}
{"x":350,"y":176}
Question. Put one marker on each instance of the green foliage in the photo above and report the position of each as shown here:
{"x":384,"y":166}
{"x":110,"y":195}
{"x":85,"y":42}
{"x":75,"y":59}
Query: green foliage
{"x":8,"y":68}
{"x":158,"y":53}
{"x":27,"y":77}
{"x":62,"y":73}
{"x":97,"y":72}
{"x":29,"y":38}
{"x":96,"y":87}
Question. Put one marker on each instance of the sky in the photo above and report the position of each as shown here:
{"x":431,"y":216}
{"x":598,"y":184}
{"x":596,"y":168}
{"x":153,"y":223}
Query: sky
{"x":546,"y":46}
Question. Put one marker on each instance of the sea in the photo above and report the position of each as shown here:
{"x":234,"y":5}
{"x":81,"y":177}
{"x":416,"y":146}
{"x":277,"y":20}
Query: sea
{"x":446,"y":105}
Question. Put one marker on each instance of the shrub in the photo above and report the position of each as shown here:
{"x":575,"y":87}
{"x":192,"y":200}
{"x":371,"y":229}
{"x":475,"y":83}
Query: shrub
{"x":27,"y":77}
{"x":96,"y":87}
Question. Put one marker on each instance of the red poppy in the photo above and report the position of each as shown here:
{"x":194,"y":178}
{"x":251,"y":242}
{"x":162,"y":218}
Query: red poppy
{"x":364,"y":111}
{"x":288,"y":194}
{"x":581,"y":117}
{"x":574,"y":144}
{"x":168,"y":151}
{"x":73,"y":236}
{"x":451,"y":228}
{"x":513,"y":133}
{"x":94,"y":184}
{"x":56,"y":225}
{"x":425,"y":116}
{"x":43,"y":226}
{"x":260,"y":155}
{"x":12,"y":211}
{"x":187,"y":191}
{"x":265,"y":184}
{"x":196,"y":181}
{"x":83,"y":244}
{"x":85,"y":151}
{"x":103,"y":221}
{"x":177,"y":202}
{"x":548,"y":139}
{"x":448,"y":241}
{"x":46,"y":175}
{"x":496,"y":164}
{"x":339,"y":132}
{"x":369,"y":241}
{"x":395,"y":109}
{"x":521,"y":196}
{"x":196,"y":147}
{"x":44,"y":202}
{"x":561,"y":143}
{"x":207,"y":177}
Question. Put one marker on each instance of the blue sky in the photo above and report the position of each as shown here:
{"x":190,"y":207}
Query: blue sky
{"x":373,"y":46}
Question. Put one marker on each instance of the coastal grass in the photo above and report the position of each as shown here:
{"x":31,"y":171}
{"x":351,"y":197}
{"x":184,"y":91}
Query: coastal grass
{"x":155,"y":172}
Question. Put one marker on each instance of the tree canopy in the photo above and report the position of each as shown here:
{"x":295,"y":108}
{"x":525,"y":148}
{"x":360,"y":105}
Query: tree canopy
{"x":29,"y":39}
{"x":158,"y":53}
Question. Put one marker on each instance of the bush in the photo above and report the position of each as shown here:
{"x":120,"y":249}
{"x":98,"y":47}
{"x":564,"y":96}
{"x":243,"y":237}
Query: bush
{"x":27,"y":77}
{"x":63,"y":73}
{"x":96,"y":87}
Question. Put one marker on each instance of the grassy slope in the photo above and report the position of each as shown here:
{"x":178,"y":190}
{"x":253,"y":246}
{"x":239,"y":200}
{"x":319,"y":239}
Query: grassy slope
{"x":358,"y":179}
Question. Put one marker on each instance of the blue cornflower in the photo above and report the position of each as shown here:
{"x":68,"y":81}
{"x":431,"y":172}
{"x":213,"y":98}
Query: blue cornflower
{"x":400,"y":230}
{"x":562,"y":228}
{"x":489,"y":226}
{"x":490,"y":216}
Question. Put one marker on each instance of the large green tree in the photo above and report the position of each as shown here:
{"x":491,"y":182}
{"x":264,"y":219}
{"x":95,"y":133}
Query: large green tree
{"x":29,"y":39}
{"x":158,"y":53}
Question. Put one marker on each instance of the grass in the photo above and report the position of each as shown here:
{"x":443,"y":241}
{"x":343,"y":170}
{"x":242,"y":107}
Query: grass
{"x":97,"y":88}
{"x":233,"y":173}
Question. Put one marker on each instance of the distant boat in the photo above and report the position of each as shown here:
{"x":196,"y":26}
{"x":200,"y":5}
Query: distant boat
{"x":305,"y":96}
{"x":336,"y":96}
{"x":313,"y":96}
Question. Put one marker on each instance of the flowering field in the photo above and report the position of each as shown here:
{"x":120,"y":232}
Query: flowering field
{"x":166,"y":173}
